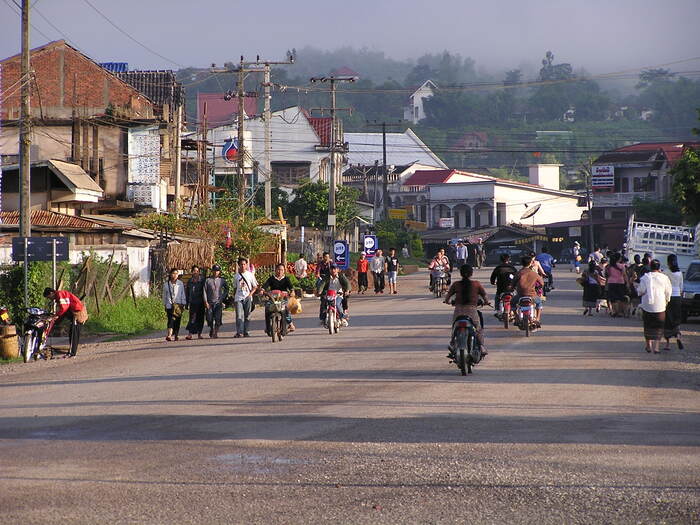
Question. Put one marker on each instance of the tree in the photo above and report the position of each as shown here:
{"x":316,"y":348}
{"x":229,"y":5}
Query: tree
{"x":662,"y":212}
{"x":686,"y":185}
{"x":552,"y":71}
{"x":280,"y":199}
{"x":513,"y":77}
{"x":649,"y":76}
{"x":310,"y":204}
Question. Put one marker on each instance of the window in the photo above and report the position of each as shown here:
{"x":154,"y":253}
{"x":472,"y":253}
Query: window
{"x":618,"y":214}
{"x":640,"y":184}
{"x":624,"y":185}
{"x":290,"y":173}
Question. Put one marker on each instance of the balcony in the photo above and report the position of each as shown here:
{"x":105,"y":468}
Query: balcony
{"x":622,"y":199}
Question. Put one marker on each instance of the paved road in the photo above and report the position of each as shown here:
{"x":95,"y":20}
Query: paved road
{"x":573,"y":425}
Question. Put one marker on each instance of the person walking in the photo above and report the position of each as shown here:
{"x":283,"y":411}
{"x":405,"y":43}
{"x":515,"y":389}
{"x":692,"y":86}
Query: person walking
{"x":174,"y":301}
{"x":596,"y":255}
{"x":617,"y":285}
{"x":246,"y":286}
{"x":362,"y":268}
{"x":70,"y":306}
{"x":672,"y":324}
{"x":576,"y":258}
{"x":194,"y":292}
{"x":300,"y":267}
{"x":215,"y":293}
{"x":591,"y":288}
{"x":461,"y":254}
{"x":392,"y":270}
{"x":378,"y":267}
{"x":480,"y":252}
{"x":655,"y":290}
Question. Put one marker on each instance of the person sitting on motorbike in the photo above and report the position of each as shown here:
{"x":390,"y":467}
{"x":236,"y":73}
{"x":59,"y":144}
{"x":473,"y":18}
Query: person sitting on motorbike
{"x":440,"y":263}
{"x":503,"y":276}
{"x":468,"y":293}
{"x":279,"y":282}
{"x":68,"y":305}
{"x":547,"y":263}
{"x":340,"y":284}
{"x":526,"y":283}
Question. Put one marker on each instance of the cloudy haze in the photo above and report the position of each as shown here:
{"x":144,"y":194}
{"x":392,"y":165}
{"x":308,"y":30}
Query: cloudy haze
{"x":599,"y":35}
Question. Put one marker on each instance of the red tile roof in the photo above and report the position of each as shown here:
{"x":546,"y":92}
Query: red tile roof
{"x":672,"y":150}
{"x":50,"y":219}
{"x":345,"y":72}
{"x":425,"y":177}
{"x":322,"y":127}
{"x":221,"y":112}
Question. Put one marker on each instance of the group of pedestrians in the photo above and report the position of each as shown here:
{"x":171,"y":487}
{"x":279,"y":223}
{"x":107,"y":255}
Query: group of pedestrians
{"x":384,"y":269}
{"x":611,"y":281}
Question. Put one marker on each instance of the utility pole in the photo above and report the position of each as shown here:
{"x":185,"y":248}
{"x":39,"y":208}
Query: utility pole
{"x":178,"y":154}
{"x":259,"y":66}
{"x":587,"y":170}
{"x":25,"y":224}
{"x":385,"y":171}
{"x":333,"y":145}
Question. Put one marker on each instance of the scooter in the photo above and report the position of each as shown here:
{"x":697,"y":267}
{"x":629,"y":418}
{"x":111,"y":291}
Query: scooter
{"x":333,"y":321}
{"x":505,"y":311}
{"x":276,"y":311}
{"x":439,"y":282}
{"x":525,"y":315}
{"x":35,"y":331}
{"x":465,"y":350}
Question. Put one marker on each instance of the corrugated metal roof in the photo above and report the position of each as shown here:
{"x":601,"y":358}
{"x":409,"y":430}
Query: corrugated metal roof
{"x":159,"y":86}
{"x":401,"y":149}
{"x":115,"y":67}
{"x":75,"y":175}
{"x":50,"y":219}
{"x":221,"y":112}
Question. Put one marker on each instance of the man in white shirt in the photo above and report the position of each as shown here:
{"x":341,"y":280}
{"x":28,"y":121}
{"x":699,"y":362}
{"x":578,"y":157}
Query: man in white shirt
{"x":246,"y":286}
{"x":461,"y":255}
{"x":300,"y":267}
{"x":655,"y":290}
{"x":378,"y":267}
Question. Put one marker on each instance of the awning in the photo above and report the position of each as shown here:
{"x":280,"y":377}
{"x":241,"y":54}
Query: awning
{"x":79,"y":183}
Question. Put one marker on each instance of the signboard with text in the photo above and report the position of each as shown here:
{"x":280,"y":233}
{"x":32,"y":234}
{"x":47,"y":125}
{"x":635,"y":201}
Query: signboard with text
{"x":370,"y":245}
{"x":602,"y":177}
{"x":398,"y":213}
{"x":341,"y":254}
{"x":446,"y":222}
{"x":40,"y":248}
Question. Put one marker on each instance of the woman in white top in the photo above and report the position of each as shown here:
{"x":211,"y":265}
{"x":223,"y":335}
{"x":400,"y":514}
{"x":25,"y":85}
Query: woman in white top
{"x":174,"y":301}
{"x":655,"y":290}
{"x":672,"y":325}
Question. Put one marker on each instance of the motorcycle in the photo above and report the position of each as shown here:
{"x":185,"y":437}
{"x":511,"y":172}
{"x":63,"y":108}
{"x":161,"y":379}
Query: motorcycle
{"x":525,"y":317}
{"x":35,"y":331}
{"x":439,"y":282}
{"x":547,"y":284}
{"x":276,"y":311}
{"x":505,"y":311}
{"x":465,"y":350}
{"x":333,"y":321}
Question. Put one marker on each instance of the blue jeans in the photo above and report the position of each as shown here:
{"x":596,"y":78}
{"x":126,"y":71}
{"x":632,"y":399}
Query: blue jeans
{"x":338,"y":307}
{"x":243,"y":314}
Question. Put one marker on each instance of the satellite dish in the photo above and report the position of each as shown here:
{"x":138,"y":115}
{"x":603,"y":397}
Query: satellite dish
{"x":530,"y":211}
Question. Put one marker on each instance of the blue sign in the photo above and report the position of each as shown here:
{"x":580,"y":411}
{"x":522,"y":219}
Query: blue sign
{"x":341,"y":254}
{"x":229,"y":152}
{"x":370,"y":245}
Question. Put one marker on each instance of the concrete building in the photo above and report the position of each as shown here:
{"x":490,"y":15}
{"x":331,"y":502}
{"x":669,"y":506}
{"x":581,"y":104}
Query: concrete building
{"x":415,"y":110}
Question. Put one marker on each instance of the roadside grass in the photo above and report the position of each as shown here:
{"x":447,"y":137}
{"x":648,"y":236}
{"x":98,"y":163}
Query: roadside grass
{"x":9,"y":361}
{"x":128,"y":319}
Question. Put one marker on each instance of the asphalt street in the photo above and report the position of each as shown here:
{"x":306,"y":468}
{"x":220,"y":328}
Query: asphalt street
{"x":576,"y":424}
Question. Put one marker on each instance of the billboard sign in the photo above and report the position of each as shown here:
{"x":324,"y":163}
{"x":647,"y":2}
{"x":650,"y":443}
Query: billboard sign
{"x":398,"y":213}
{"x":40,"y":248}
{"x":370,"y":245}
{"x":341,"y":254}
{"x":229,"y":152}
{"x":446,"y":222}
{"x":602,"y":177}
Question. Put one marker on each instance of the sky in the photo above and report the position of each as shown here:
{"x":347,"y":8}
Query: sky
{"x":599,"y":35}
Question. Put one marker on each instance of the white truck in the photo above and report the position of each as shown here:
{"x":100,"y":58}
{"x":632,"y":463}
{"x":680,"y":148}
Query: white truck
{"x":660,"y":240}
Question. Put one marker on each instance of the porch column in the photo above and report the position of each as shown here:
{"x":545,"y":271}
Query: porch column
{"x":473,"y":212}
{"x":495,"y":214}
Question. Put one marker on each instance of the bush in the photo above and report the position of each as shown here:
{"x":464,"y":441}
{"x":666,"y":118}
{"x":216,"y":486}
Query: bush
{"x":125,"y":317}
{"x":416,"y":247}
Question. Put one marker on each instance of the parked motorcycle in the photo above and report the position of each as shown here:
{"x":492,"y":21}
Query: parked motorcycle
{"x":525,"y":315}
{"x":37,"y":325}
{"x":333,"y":321}
{"x":505,"y":311}
{"x":276,"y":311}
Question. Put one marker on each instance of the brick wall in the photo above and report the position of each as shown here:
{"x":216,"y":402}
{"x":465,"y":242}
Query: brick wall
{"x":64,"y":78}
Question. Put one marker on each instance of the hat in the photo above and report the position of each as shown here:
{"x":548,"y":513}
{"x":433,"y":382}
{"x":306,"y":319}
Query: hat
{"x":216,"y":268}
{"x":576,"y":243}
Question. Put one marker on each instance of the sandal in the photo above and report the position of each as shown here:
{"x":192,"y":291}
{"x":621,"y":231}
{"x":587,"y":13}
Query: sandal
{"x":680,"y":344}
{"x":168,"y":338}
{"x":189,"y":337}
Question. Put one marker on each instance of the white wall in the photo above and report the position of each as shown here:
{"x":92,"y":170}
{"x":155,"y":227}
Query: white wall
{"x":554,"y":207}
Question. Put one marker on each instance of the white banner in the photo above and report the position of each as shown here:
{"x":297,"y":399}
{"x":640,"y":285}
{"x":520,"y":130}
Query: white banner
{"x":602,"y":176}
{"x":446,"y":222}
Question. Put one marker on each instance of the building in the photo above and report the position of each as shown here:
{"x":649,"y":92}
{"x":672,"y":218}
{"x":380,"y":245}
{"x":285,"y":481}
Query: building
{"x":100,"y":121}
{"x":222,"y":110}
{"x":415,"y":110}
{"x":479,"y":201}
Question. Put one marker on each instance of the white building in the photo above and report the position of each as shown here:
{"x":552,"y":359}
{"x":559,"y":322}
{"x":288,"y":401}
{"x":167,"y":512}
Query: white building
{"x":478,"y":201}
{"x":415,"y":111}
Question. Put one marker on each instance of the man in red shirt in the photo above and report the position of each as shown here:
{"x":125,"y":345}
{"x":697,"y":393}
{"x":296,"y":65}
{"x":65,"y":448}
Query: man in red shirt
{"x":69,"y":305}
{"x":362,"y":267}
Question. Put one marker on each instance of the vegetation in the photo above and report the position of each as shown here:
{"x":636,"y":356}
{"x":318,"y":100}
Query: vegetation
{"x":310,"y":204}
{"x":662,"y":212}
{"x":127,"y":317}
{"x":686,"y":185}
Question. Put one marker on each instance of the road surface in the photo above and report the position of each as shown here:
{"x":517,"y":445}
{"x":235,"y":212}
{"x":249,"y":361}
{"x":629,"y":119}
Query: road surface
{"x":573,"y":425}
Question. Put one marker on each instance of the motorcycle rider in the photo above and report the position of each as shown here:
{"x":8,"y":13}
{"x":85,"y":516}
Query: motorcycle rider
{"x":338,"y":282}
{"x":279,"y":282}
{"x":467,"y":294}
{"x":526,"y":283}
{"x":547,"y":263}
{"x":72,"y":308}
{"x":440,"y":260}
{"x":503,"y":276}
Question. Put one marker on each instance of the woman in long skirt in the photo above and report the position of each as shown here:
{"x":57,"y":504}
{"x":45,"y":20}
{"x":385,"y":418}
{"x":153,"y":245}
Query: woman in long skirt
{"x":591,"y":288}
{"x":655,"y":290}
{"x":672,"y":325}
